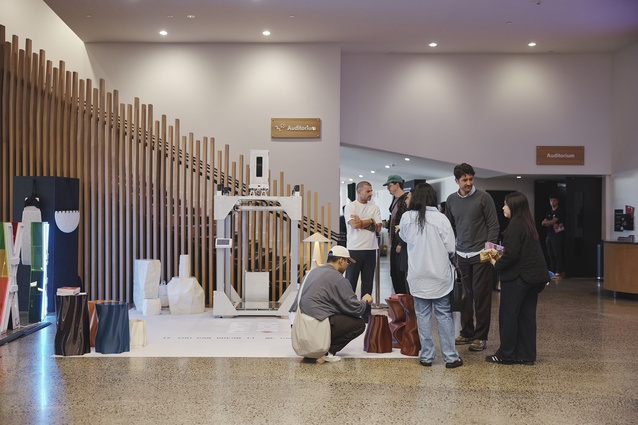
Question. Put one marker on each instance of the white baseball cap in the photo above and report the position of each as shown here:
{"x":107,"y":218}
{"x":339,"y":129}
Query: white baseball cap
{"x":339,"y":251}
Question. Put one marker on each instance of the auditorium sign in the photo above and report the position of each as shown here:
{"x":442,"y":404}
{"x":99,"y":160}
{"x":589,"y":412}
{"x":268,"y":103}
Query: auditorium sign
{"x":560,"y":155}
{"x":295,"y":128}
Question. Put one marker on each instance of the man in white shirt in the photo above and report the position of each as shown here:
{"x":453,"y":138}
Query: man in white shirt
{"x":364,"y":221}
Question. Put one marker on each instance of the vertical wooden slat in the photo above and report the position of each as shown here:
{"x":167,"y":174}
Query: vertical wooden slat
{"x":20,"y":159}
{"x":114,"y":123}
{"x":73,"y":126}
{"x":188,"y":196}
{"x":11,"y":112}
{"x":32,"y":114}
{"x":40,"y":115}
{"x":240,"y":179}
{"x":142,"y":143}
{"x":24,"y":110}
{"x":59,"y":116}
{"x":162,"y":198}
{"x":94,"y":212}
{"x":149,"y":182}
{"x":99,"y":155}
{"x":79,"y":160}
{"x":5,"y":105}
{"x":129,"y":195}
{"x":66,"y":127}
{"x":170,"y":202}
{"x":121,"y":200}
{"x":107,"y":116}
{"x":197,"y":222}
{"x":135,"y":146}
{"x":86,"y":184}
{"x":182,"y":195}
{"x":212,"y":230}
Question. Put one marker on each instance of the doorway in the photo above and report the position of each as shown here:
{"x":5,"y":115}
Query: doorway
{"x":581,"y":200}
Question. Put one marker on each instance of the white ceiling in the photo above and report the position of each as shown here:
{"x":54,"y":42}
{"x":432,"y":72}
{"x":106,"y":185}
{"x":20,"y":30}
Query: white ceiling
{"x":399,"y":26}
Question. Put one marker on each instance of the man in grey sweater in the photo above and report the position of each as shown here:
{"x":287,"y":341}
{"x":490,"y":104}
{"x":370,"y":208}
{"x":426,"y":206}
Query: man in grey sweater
{"x":473,"y":217}
{"x":327,"y":294}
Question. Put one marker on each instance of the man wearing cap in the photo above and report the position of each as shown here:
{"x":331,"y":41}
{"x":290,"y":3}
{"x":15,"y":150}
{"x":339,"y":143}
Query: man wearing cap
{"x":327,"y":294}
{"x":397,"y":208}
{"x":364,"y":221}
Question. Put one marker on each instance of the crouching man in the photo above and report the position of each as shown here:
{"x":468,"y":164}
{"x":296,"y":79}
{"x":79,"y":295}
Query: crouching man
{"x":328,"y":294}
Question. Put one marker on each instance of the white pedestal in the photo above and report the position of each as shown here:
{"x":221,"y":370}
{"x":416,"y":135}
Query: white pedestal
{"x":146,"y":279}
{"x":137,"y":331}
{"x":185,"y":296}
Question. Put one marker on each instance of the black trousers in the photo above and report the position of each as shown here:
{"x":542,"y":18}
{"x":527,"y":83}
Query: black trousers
{"x":366,"y":263}
{"x":517,"y":321}
{"x":478,"y":283}
{"x":554,"y":245}
{"x":396,"y":274}
{"x":343,"y":329}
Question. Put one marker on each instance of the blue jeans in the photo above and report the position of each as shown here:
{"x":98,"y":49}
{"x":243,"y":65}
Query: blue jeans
{"x":445,"y":324}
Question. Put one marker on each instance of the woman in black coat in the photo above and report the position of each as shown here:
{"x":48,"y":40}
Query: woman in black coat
{"x":523,"y":274}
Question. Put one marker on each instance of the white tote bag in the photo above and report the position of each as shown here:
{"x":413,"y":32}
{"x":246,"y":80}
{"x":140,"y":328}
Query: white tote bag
{"x":310,"y":337}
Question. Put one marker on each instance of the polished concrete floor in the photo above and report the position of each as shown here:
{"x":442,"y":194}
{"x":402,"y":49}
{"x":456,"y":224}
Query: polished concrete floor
{"x":587,"y":373}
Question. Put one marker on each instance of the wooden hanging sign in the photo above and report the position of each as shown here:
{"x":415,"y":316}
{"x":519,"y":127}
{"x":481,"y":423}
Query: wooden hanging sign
{"x":560,"y":155}
{"x":295,"y":128}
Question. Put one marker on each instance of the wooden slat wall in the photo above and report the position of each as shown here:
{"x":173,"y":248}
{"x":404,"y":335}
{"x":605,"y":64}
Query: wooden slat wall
{"x":146,"y":189}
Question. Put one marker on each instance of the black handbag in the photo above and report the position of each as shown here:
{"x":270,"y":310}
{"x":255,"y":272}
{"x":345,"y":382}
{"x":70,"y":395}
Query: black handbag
{"x":459,"y":298}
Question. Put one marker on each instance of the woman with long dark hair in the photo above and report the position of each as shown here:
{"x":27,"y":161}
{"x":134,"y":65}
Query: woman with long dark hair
{"x":523,"y":274}
{"x":430,"y":241}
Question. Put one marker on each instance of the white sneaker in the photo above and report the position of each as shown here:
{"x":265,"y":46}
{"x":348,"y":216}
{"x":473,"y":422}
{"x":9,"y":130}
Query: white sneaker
{"x":331,"y":358}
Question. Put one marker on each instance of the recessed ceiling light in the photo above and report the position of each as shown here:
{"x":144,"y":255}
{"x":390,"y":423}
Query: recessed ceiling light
{"x":349,"y":179}
{"x":532,"y":44}
{"x":407,"y":159}
{"x":163,"y":32}
{"x":89,"y":15}
{"x":360,"y":176}
{"x":169,"y":16}
{"x":343,"y":182}
{"x":387,"y":166}
{"x":266,"y":33}
{"x":190,"y":16}
{"x":372,"y":171}
{"x":433,"y":44}
{"x":518,"y":177}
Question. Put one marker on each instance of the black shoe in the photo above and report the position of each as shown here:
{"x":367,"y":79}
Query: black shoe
{"x":456,"y":363}
{"x":497,"y":359}
{"x":526,"y":362}
{"x":424,"y":363}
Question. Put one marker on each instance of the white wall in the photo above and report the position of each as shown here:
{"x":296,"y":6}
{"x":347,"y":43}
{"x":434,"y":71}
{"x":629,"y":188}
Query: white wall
{"x":33,"y":19}
{"x":623,"y":184}
{"x":231,"y":92}
{"x":489,"y":110}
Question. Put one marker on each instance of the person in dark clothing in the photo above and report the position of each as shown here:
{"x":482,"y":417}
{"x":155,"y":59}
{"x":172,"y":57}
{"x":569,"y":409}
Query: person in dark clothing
{"x":554,"y":222}
{"x":398,"y":206}
{"x":523,"y":273}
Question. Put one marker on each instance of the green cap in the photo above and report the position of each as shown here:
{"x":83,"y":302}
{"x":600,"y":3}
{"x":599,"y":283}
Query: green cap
{"x":393,"y":179}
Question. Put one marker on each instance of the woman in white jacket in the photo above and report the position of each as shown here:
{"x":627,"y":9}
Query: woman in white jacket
{"x":430,"y":240}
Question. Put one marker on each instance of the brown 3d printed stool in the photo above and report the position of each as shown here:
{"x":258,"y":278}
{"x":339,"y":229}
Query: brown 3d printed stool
{"x":397,"y":319}
{"x":410,"y":343}
{"x":378,"y":338}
